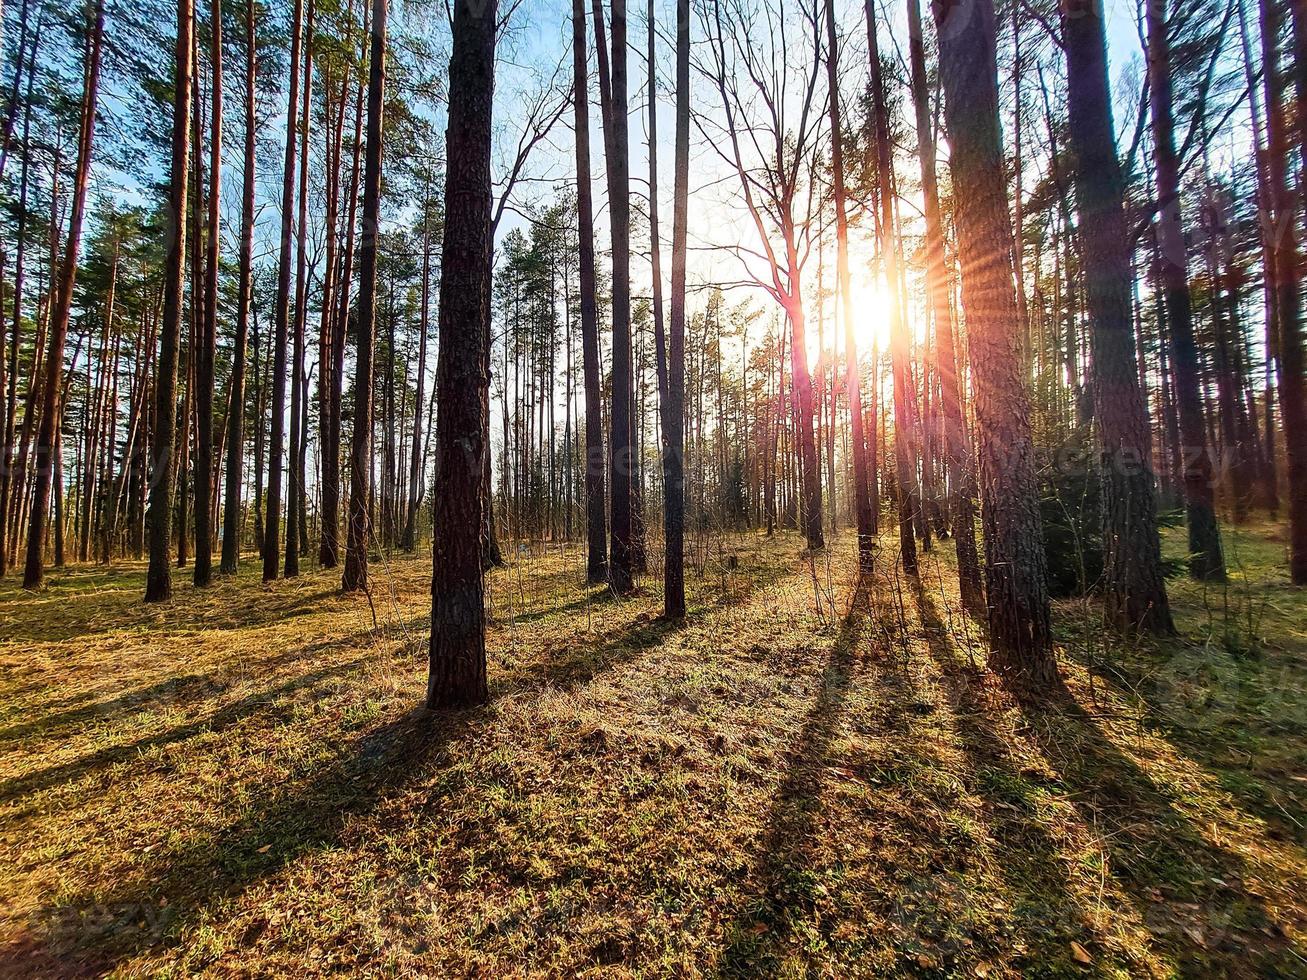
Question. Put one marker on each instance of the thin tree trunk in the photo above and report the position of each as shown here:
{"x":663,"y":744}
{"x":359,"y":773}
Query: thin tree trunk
{"x":853,"y":374}
{"x":276,"y":449}
{"x":11,"y":396}
{"x":360,"y":481}
{"x":596,"y":532}
{"x":231,"y":538}
{"x":1205,"y":556}
{"x":674,"y":421}
{"x":905,"y":425}
{"x":47,"y":440}
{"x":158,"y":518}
{"x":329,"y":551}
{"x":204,"y":380}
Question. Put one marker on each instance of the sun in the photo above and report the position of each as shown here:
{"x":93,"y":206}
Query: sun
{"x":872,"y":309}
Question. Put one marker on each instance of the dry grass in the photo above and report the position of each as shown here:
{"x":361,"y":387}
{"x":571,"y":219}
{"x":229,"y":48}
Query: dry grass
{"x":239,"y":783}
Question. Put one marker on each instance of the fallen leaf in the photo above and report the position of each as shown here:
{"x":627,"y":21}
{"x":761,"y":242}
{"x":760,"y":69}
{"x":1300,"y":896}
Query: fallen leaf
{"x":1080,"y":953}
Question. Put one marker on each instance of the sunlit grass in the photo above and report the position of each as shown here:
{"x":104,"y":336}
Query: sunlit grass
{"x":241,"y":782}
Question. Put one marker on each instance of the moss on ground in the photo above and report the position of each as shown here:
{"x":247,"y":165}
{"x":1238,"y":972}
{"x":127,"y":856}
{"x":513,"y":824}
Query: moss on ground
{"x":799,"y":780}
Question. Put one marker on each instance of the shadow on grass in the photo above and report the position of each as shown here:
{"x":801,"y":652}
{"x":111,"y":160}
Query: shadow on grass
{"x":1049,"y":917}
{"x":88,"y":613}
{"x":280,"y":698}
{"x":795,"y":811}
{"x":95,"y":931}
{"x":1239,"y":708}
{"x":187,"y":687}
{"x":1196,"y":898}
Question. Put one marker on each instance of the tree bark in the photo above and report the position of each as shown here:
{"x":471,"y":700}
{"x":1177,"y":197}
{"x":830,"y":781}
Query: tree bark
{"x":1020,"y":635}
{"x":458,"y":642}
{"x":957,"y":433}
{"x":1134,"y":592}
{"x":47,"y":440}
{"x":204,"y":380}
{"x":674,"y":425}
{"x":158,"y":517}
{"x":231,"y":520}
{"x":1287,"y":278}
{"x":360,"y":473}
{"x":596,"y":518}
{"x":1206,"y":562}
{"x":281,"y":314}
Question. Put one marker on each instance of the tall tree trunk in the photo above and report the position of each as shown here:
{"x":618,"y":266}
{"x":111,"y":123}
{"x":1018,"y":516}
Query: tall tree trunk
{"x":295,"y":485}
{"x":11,"y":396}
{"x":360,"y":464}
{"x":158,"y":518}
{"x":281,"y":313}
{"x":329,"y":550}
{"x":47,"y":440}
{"x":457,"y":674}
{"x":1287,"y":276}
{"x":231,"y":519}
{"x":204,"y":380}
{"x":409,"y":541}
{"x":596,"y":532}
{"x":957,"y":433}
{"x":1020,"y":635}
{"x":853,"y":374}
{"x":905,"y":424}
{"x":674,"y":421}
{"x":622,"y":546}
{"x":1205,"y":558}
{"x":1134,"y":590}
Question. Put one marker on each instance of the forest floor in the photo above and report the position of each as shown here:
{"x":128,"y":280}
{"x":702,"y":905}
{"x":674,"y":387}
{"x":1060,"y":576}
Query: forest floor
{"x":798,"y":780}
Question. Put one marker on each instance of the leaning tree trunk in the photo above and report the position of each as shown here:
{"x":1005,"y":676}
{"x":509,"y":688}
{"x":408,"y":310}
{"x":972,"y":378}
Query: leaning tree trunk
{"x":1021,"y":642}
{"x":596,"y":532}
{"x":458,"y":629}
{"x":158,"y":517}
{"x":1134,"y":591}
{"x":47,"y":439}
{"x":1205,"y":558}
{"x":358,"y":531}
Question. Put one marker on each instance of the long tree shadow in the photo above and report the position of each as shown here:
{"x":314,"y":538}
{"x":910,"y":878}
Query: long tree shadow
{"x":1196,"y":898}
{"x":1209,"y":915}
{"x":1258,"y":702}
{"x":95,"y":930}
{"x":1046,"y":912}
{"x":796,"y":808}
{"x":91,"y":613}
{"x":186,"y":686}
{"x":280,"y":698}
